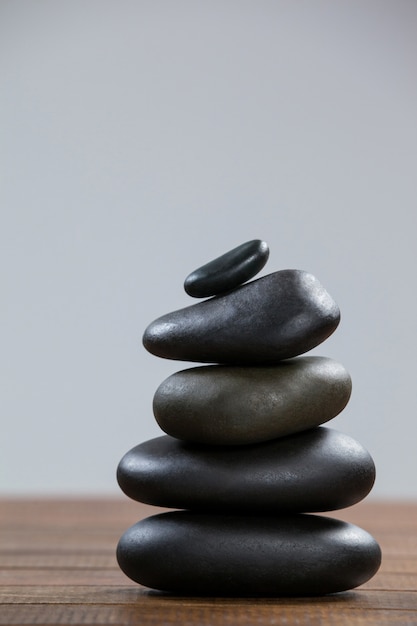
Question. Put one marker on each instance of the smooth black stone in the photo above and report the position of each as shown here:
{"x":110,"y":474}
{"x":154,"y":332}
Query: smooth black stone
{"x":191,"y":553}
{"x":228,"y":271}
{"x":269,"y":319}
{"x":232,"y":405}
{"x":317,"y":470}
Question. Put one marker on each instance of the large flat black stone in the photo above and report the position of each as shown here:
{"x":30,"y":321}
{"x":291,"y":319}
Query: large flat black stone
{"x":317,"y":470}
{"x":191,"y":553}
{"x":269,"y":319}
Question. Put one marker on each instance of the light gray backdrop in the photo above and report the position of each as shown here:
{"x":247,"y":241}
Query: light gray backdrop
{"x":140,"y":140}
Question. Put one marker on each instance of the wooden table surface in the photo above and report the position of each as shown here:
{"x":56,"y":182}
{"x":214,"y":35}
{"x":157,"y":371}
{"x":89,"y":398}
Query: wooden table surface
{"x":58,"y":566}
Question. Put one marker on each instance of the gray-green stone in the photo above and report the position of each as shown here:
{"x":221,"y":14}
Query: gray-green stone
{"x":231,"y":405}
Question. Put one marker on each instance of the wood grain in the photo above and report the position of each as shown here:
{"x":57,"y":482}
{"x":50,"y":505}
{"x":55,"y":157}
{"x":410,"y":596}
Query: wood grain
{"x":58,"y":566}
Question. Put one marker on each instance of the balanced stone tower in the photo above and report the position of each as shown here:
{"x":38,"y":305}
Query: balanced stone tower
{"x":245,"y":456}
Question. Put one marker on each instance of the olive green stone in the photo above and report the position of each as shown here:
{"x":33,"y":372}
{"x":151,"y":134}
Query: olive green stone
{"x":231,"y":405}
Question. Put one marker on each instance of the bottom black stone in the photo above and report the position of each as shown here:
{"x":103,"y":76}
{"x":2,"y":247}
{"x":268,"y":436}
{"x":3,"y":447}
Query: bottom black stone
{"x":194,"y":553}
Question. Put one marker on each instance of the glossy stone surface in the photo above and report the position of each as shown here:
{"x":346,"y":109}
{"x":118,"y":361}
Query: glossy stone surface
{"x":317,"y":470}
{"x":232,"y":405}
{"x":190,"y":553}
{"x":228,"y":271}
{"x":269,"y":319}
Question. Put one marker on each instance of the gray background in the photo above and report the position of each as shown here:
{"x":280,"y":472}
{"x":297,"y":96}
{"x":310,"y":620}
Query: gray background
{"x":140,"y":140}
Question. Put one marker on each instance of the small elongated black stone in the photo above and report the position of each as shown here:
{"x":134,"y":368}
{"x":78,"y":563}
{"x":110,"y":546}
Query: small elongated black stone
{"x":317,"y":470}
{"x":191,"y":553}
{"x":228,"y":271}
{"x":232,"y":405}
{"x":264,"y":321}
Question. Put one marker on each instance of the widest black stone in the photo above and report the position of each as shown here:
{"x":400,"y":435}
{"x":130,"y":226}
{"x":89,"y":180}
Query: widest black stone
{"x":191,"y":553}
{"x":317,"y":470}
{"x":269,"y":319}
{"x":228,"y":271}
{"x":235,"y":405}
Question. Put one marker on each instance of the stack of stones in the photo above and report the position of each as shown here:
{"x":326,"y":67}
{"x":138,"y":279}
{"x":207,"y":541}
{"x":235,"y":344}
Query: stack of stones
{"x":245,"y":456}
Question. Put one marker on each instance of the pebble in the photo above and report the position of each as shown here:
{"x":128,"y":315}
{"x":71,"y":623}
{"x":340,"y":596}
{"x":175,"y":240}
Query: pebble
{"x":232,"y":405}
{"x":192,"y":553}
{"x":228,"y":271}
{"x":318,"y":470}
{"x":275,"y":317}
